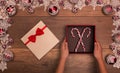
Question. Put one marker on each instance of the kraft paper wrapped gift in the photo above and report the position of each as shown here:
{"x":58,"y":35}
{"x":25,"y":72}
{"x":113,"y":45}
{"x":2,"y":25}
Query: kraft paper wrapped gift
{"x":40,"y":40}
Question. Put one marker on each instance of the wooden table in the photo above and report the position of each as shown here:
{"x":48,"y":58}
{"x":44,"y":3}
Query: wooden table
{"x":26,"y":62}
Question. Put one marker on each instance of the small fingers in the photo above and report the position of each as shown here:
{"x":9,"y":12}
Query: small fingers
{"x":66,"y":45}
{"x":96,"y":45}
{"x":63,"y":42}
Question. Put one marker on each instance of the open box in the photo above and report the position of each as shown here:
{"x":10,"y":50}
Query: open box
{"x":80,"y":38}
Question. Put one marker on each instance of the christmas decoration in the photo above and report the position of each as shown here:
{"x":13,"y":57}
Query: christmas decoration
{"x":80,"y":4}
{"x":2,"y":32}
{"x":3,"y":65}
{"x":11,"y":10}
{"x":7,"y":55}
{"x":112,"y":46}
{"x":74,"y":1}
{"x":17,"y":1}
{"x":115,"y":3}
{"x":107,"y":9}
{"x":116,"y":37}
{"x":26,"y":2}
{"x":75,"y":10}
{"x":81,"y":37}
{"x":87,"y":2}
{"x":77,"y":35}
{"x":40,"y":1}
{"x":106,"y":2}
{"x":8,"y":9}
{"x":118,"y":8}
{"x":30,"y":9}
{"x":9,"y":20}
{"x":9,"y":6}
{"x":2,"y":2}
{"x":53,"y":10}
{"x":110,"y":59}
{"x":115,"y":46}
{"x":99,"y":2}
{"x":115,"y":17}
{"x":67,"y":5}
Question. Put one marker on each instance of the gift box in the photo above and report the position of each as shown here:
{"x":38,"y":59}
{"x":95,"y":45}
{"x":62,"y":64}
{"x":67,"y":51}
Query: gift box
{"x":80,"y":38}
{"x":40,"y":40}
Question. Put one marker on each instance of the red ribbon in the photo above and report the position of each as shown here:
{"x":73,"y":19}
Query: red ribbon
{"x":32,"y":38}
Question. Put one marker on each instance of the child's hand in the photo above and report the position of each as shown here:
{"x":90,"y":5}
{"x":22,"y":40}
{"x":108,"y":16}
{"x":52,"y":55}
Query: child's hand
{"x":98,"y":51}
{"x":64,"y":50}
{"x":98,"y":56}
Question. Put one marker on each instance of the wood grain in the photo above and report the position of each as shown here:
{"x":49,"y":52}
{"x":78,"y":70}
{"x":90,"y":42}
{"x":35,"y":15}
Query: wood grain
{"x":57,"y":25}
{"x":86,"y":11}
{"x":26,"y":62}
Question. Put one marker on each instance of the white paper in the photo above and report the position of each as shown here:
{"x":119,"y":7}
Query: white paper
{"x":44,"y":43}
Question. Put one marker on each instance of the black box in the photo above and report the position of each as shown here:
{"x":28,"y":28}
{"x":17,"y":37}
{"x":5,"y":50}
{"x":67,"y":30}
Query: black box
{"x":80,"y":38}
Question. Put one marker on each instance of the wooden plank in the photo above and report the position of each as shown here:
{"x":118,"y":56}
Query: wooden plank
{"x":25,"y":61}
{"x":57,"y":25}
{"x":86,"y":11}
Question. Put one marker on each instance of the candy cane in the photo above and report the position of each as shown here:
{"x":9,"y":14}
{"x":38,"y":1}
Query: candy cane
{"x":81,"y":37}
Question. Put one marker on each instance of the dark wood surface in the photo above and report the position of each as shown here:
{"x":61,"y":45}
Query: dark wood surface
{"x":26,"y":62}
{"x":86,"y":11}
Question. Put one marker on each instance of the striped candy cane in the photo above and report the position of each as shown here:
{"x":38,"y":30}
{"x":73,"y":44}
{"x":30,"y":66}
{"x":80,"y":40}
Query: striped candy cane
{"x":80,"y":37}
